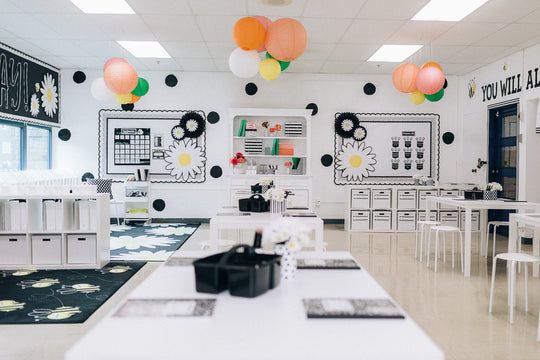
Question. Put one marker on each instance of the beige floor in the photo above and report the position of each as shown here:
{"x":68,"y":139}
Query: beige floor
{"x":450,"y":308}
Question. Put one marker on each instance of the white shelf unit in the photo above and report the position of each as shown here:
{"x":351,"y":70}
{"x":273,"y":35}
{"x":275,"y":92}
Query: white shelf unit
{"x":397,"y":208}
{"x":136,"y":198}
{"x":33,"y":246}
{"x":299,"y":182}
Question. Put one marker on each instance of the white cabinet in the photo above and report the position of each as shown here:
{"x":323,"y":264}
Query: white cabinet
{"x":13,"y":249}
{"x":47,"y":249}
{"x":449,"y":218}
{"x":448,"y":194}
{"x":381,"y":199}
{"x":422,"y":216}
{"x":81,"y":248}
{"x":298,"y":198}
{"x":381,"y":220}
{"x":423,"y":194}
{"x":360,"y":198}
{"x":406,"y":220}
{"x":406,"y":199}
{"x":360,"y":219}
{"x":475,"y":220}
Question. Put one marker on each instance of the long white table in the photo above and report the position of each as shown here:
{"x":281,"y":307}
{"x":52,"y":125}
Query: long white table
{"x":269,"y":327}
{"x":253,"y":221}
{"x":532,"y":220}
{"x":483,"y":206}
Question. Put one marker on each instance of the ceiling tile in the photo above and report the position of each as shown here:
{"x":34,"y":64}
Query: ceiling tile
{"x":220,"y":50}
{"x":391,"y":9}
{"x":72,"y":26}
{"x":443,"y":52}
{"x":507,"y":51}
{"x":103,"y":49}
{"x":371,"y":31}
{"x":467,"y":33}
{"x":159,"y":64}
{"x":197,"y":64}
{"x":476,"y":54}
{"x":317,"y":51}
{"x":512,"y":35}
{"x":256,"y":7}
{"x":531,"y":18}
{"x":26,"y":26}
{"x":216,"y":28}
{"x":196,"y":50}
{"x":47,"y":6}
{"x":123,"y":27}
{"x":173,"y":27}
{"x":455,"y":69}
{"x":419,"y":32}
{"x":339,"y":67}
{"x":353,"y":52}
{"x":333,"y":9}
{"x":169,"y":7}
{"x":505,"y":11}
{"x":375,"y":68}
{"x":325,"y":30}
{"x":26,"y":47}
{"x":61,"y":47}
{"x":218,"y":7}
{"x":305,"y":66}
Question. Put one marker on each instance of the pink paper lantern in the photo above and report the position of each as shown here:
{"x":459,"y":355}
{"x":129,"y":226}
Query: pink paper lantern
{"x":265,"y":23}
{"x":113,"y":60}
{"x":120,"y":77}
{"x":430,"y":80}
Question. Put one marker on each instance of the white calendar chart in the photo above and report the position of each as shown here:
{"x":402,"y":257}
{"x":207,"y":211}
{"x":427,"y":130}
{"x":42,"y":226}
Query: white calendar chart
{"x":386,"y":148}
{"x":170,"y":144}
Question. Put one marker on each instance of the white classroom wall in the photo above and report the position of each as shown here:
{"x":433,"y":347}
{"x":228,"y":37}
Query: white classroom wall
{"x":221,"y":91}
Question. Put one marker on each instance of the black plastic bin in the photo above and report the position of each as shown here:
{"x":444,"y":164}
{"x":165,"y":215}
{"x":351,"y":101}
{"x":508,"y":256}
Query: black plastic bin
{"x":473,"y":194}
{"x":255,"y":203}
{"x":245,"y":274}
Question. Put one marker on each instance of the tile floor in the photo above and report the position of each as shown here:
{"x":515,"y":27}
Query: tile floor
{"x":450,"y":308}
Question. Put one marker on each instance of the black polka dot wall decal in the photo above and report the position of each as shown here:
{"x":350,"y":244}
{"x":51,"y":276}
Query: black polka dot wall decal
{"x":86,"y":176}
{"x":128,"y":107}
{"x":448,"y":138}
{"x":327,"y":160}
{"x":213,"y":117}
{"x":158,"y":205}
{"x":64,"y":134}
{"x":369,"y":89}
{"x":216,"y":172}
{"x":79,"y":77}
{"x":313,"y":107}
{"x":251,"y":89}
{"x":171,"y":80}
{"x":445,"y":84}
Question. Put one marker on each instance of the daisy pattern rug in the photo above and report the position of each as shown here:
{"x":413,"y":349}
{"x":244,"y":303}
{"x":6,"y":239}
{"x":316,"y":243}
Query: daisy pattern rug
{"x":153,"y":242}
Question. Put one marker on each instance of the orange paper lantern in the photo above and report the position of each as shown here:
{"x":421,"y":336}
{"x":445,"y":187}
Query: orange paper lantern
{"x":266,"y":23}
{"x":134,"y":98}
{"x":404,"y":77}
{"x":249,"y":33}
{"x":286,"y":39}
{"x":432,"y":64}
{"x":430,"y":80}
{"x":120,"y":77}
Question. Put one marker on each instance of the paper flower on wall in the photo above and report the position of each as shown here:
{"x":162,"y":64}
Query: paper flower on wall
{"x":49,"y":97}
{"x":185,"y":160}
{"x":356,"y":161}
{"x":193,"y":124}
{"x":345,"y":124}
{"x":178,"y":133}
{"x":359,"y":133}
{"x":34,"y":105}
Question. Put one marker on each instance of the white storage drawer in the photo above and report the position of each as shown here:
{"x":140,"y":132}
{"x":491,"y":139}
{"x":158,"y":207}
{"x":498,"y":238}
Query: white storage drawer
{"x":47,"y":249}
{"x":381,"y":199}
{"x":449,"y":218}
{"x":406,"y":220}
{"x":423,"y":194}
{"x":360,"y":220}
{"x":475,"y":220}
{"x":381,"y":220}
{"x":406,"y":199}
{"x":298,"y":198}
{"x":432,"y":216}
{"x":13,"y":249}
{"x":360,"y":198}
{"x":81,"y":248}
{"x":448,"y":194}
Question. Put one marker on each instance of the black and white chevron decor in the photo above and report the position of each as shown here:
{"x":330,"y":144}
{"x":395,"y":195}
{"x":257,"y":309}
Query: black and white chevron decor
{"x":293,"y":129}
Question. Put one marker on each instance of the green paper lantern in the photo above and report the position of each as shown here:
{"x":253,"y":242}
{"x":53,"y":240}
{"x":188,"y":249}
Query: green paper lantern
{"x":282,"y":64}
{"x":435,"y":97}
{"x":142,"y":87}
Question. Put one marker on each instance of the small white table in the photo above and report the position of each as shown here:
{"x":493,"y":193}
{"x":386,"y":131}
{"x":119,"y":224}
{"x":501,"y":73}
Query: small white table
{"x":483,"y":206}
{"x":269,"y":327}
{"x":254,"y":221}
{"x":532,"y":220}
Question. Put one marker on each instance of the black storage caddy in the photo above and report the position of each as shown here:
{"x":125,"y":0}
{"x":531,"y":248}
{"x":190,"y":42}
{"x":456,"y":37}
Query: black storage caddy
{"x":255,"y":203}
{"x":473,"y":195}
{"x":245,"y":274}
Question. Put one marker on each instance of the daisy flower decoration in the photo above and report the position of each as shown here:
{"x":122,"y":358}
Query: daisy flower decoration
{"x":355,"y":161}
{"x":185,"y":160}
{"x":34,"y":105}
{"x":49,"y":97}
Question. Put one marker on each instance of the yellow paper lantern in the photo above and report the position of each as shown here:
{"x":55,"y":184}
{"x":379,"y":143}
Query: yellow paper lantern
{"x":417,"y":97}
{"x":269,"y":69}
{"x":123,"y":98}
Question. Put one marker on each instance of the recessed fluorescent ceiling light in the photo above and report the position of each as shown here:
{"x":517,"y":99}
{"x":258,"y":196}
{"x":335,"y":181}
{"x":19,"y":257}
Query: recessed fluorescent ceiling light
{"x":103,"y":6}
{"x":394,"y":53}
{"x":145,"y":49}
{"x":448,"y":10}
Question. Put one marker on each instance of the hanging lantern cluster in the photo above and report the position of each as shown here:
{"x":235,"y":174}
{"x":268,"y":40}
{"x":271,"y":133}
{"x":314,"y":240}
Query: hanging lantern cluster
{"x":121,"y":81}
{"x":283,"y":40}
{"x":421,"y":83}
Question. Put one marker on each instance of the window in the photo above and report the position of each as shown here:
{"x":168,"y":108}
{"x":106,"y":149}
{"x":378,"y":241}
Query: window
{"x":24,"y":146}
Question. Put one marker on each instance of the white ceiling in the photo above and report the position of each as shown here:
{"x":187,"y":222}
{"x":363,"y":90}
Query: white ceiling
{"x":197,"y":33}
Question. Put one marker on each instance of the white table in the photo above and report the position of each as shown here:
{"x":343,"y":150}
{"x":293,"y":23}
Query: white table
{"x":532,"y":220}
{"x":254,"y":221}
{"x":483,"y":206}
{"x":269,"y":327}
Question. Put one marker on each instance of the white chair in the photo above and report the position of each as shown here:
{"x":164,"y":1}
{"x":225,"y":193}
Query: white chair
{"x":512,"y":258}
{"x":495,"y":225}
{"x":444,"y":230}
{"x":421,"y":227}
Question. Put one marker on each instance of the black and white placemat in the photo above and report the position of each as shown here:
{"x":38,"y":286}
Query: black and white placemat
{"x":343,"y":308}
{"x":166,"y":308}
{"x":327,"y":264}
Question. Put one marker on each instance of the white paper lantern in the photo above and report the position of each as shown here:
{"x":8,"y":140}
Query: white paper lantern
{"x":100,"y":91}
{"x":244,"y":64}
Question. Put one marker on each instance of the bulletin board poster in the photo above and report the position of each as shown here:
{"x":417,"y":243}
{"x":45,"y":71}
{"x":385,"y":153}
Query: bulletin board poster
{"x":29,"y":88}
{"x":387,"y":149}
{"x":159,"y":141}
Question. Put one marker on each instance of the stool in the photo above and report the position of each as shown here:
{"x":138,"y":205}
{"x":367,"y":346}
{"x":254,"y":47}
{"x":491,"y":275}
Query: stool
{"x":421,"y":226}
{"x":207,"y":245}
{"x":512,"y":258}
{"x":444,"y":229}
{"x":495,"y":225}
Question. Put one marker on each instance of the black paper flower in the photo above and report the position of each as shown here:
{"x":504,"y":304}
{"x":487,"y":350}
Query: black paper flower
{"x":360,"y":133}
{"x":193,"y":124}
{"x":345,"y":124}
{"x":178,"y":133}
